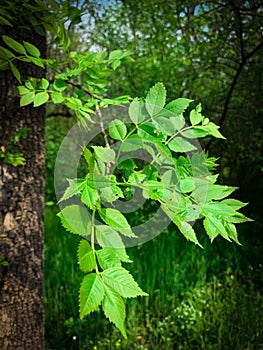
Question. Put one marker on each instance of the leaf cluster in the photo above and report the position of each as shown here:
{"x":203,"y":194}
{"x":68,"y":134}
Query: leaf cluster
{"x":10,"y":154}
{"x":179,"y":177}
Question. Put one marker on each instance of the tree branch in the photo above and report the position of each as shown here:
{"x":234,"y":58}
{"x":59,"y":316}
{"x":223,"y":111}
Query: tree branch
{"x":98,"y":111}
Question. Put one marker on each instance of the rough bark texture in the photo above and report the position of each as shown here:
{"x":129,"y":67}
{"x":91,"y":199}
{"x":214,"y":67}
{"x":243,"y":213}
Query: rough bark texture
{"x":21,"y":213}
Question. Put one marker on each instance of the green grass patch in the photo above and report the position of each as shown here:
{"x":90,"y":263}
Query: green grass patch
{"x":197,"y":299}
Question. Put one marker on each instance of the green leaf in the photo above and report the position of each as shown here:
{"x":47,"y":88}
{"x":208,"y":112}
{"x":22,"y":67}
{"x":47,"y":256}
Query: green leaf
{"x":122,"y":282}
{"x":37,"y":61}
{"x":117,"y":55}
{"x":5,"y":54}
{"x":107,"y":258}
{"x":181,"y":145}
{"x":40,"y":98}
{"x":234,"y":203}
{"x":88,"y":157}
{"x":90,"y":197}
{"x":117,"y":129}
{"x":115,"y":64}
{"x":75,"y":187}
{"x":196,"y":132}
{"x":15,"y":71}
{"x":178,"y":106}
{"x":136,"y":177}
{"x":213,"y":130}
{"x":108,"y":237}
{"x":187,"y":185}
{"x":137,"y":111}
{"x":22,"y":90}
{"x":57,"y":97}
{"x":111,"y":193}
{"x":217,"y":192}
{"x":43,"y":84}
{"x":3,"y":64}
{"x":187,"y":230}
{"x":5,"y":21}
{"x":31,"y":49}
{"x":60,"y":85}
{"x":100,"y":181}
{"x":238,"y":218}
{"x":155,"y":99}
{"x":27,"y":99}
{"x":195,"y":117}
{"x":91,"y":294}
{"x":164,"y":125}
{"x":219,"y":208}
{"x":114,"y":308}
{"x":132,"y":143}
{"x":76,"y":219}
{"x":214,"y":226}
{"x":232,"y":231}
{"x":117,"y":220}
{"x":86,"y":257}
{"x":178,"y":122}
{"x":16,"y":46}
{"x":104,"y":154}
{"x":127,"y":164}
{"x":149,"y":133}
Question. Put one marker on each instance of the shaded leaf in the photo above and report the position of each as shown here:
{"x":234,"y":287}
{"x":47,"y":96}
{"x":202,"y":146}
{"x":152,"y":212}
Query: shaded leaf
{"x":132,"y":143}
{"x":117,"y":129}
{"x":117,"y":220}
{"x":15,"y":71}
{"x":31,"y":49}
{"x":13,"y":44}
{"x":181,"y":145}
{"x":107,"y":258}
{"x":214,"y":227}
{"x":76,"y":219}
{"x":105,"y":154}
{"x":137,"y":111}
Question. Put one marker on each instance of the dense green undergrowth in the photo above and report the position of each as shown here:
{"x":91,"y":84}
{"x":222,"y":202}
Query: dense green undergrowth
{"x":199,"y":298}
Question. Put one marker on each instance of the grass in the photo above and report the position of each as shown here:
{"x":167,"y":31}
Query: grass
{"x":198,"y":299}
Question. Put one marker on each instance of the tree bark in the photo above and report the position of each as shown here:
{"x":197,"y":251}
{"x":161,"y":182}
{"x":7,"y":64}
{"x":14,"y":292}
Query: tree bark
{"x":21,"y":211}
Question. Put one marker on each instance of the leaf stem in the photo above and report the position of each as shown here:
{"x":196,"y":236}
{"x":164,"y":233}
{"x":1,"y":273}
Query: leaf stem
{"x":177,"y":133}
{"x":93,"y":237}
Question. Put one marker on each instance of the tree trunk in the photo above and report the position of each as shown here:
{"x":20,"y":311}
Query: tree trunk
{"x":21,"y":211}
